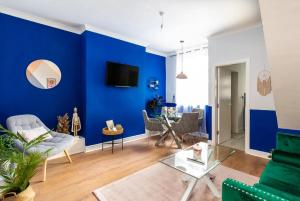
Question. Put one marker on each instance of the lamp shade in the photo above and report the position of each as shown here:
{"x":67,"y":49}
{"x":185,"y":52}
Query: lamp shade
{"x":181,"y":76}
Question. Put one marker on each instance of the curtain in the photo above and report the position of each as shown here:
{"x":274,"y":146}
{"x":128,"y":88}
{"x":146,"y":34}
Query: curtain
{"x":192,"y":92}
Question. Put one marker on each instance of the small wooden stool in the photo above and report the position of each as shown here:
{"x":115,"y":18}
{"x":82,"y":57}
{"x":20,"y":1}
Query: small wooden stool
{"x":112,"y":134}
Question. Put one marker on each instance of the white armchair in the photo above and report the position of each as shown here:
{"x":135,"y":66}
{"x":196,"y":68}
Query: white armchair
{"x":57,"y":144}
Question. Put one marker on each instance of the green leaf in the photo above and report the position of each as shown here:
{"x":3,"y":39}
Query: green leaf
{"x":16,"y":167}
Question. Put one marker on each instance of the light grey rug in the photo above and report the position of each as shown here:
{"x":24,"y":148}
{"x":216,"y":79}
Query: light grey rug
{"x":162,"y":183}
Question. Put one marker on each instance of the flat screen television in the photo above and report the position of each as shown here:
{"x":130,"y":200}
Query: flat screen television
{"x":121,"y":75}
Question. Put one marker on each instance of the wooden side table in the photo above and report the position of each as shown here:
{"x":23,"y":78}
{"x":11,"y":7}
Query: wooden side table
{"x":112,"y":134}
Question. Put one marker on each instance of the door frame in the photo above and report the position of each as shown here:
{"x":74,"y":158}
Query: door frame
{"x":247,"y":106}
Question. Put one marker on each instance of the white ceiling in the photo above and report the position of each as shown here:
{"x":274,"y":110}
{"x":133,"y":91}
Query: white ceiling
{"x":189,"y":20}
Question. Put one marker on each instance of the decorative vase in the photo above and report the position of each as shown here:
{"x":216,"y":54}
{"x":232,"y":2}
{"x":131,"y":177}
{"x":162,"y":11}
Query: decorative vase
{"x":197,"y":151}
{"x":27,"y":195}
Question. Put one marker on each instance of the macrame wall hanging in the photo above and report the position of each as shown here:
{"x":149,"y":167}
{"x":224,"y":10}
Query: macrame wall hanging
{"x":264,"y":86}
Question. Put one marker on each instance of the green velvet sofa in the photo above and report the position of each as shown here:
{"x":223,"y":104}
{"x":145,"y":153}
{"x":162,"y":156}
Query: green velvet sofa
{"x":280,"y":179}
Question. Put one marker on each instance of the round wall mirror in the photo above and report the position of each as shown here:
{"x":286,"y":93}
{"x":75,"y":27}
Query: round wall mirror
{"x":43,"y":74}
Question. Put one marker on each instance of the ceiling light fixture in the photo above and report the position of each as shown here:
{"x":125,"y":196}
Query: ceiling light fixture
{"x":161,"y":13}
{"x":181,"y":75}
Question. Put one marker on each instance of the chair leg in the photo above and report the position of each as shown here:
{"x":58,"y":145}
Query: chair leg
{"x":45,"y":170}
{"x":68,"y":156}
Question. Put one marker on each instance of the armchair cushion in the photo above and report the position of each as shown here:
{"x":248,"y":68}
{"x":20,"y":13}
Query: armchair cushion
{"x":31,"y":134}
{"x":286,"y":158}
{"x":288,"y":143}
{"x":56,"y":144}
{"x":281,"y":176}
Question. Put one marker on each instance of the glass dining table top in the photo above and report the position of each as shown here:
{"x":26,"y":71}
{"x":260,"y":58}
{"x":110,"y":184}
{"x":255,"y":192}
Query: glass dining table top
{"x":211,"y":157}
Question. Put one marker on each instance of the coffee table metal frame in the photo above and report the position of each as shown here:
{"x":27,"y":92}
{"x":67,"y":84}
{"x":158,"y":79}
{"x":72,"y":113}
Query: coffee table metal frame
{"x":192,"y":180}
{"x":170,"y":131}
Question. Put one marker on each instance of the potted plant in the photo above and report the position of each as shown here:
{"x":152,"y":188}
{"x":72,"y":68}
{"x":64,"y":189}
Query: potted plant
{"x":18,"y":167}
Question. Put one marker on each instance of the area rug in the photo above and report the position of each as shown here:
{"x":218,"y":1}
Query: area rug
{"x":162,"y":183}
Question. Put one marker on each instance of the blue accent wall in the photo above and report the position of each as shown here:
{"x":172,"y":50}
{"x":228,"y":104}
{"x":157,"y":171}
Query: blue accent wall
{"x":22,"y":42}
{"x":82,"y":61}
{"x":123,"y":105}
{"x":208,"y":119}
{"x":263,"y":128}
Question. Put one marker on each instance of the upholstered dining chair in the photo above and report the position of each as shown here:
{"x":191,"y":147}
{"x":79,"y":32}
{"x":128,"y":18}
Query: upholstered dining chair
{"x":57,"y":144}
{"x":152,"y":125}
{"x":189,"y":125}
{"x":201,"y":114}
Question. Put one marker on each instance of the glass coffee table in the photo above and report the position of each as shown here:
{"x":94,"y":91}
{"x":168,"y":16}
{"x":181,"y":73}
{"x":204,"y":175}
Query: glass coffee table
{"x":196,"y":169}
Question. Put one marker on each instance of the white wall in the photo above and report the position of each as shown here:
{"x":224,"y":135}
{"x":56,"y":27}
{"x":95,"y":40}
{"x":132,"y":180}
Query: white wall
{"x":281,"y":23}
{"x":170,"y":78}
{"x":245,"y":44}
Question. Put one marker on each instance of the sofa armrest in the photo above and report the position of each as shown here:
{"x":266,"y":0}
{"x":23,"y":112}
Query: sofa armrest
{"x":233,"y":190}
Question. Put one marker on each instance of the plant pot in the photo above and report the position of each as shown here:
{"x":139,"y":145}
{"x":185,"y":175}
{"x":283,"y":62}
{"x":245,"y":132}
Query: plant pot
{"x":27,"y":195}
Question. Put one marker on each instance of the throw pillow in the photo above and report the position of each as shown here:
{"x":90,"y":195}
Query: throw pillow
{"x":32,"y":134}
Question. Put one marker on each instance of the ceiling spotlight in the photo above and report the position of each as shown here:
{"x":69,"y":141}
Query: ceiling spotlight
{"x":161,"y":13}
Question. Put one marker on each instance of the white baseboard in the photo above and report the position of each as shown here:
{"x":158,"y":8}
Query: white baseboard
{"x":98,"y":146}
{"x":257,"y":153}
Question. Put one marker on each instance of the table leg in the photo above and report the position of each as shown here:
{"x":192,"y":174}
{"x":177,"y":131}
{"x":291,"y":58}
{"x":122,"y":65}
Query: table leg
{"x":112,"y":144}
{"x":176,"y":138}
{"x":122,"y":140}
{"x":191,"y":184}
{"x":162,"y":138}
{"x":102,"y":141}
{"x":212,"y":186}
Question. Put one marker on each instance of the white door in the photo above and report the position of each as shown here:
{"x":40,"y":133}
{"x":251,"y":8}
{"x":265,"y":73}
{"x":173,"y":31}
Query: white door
{"x":224,"y":105}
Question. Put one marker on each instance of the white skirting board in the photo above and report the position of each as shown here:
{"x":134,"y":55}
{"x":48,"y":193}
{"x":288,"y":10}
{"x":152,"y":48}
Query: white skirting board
{"x":98,"y":146}
{"x":257,"y":153}
{"x":79,"y":146}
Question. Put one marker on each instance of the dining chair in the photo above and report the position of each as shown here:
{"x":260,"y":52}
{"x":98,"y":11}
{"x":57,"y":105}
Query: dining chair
{"x":189,"y":125}
{"x":152,"y":125}
{"x":201,"y":115}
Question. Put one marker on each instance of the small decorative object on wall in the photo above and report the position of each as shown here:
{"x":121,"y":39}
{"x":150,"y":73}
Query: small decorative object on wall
{"x":51,"y":82}
{"x":264,"y":86}
{"x":43,"y":74}
{"x":63,"y":124}
{"x":154,"y":84}
{"x":76,"y":125}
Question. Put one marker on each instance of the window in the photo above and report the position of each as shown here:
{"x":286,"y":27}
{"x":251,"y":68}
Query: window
{"x":192,"y":92}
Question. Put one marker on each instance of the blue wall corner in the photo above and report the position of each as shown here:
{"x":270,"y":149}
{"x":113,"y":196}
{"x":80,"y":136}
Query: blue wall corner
{"x":22,"y":42}
{"x":263,"y":129}
{"x":123,"y":105}
{"x":208,"y":119}
{"x":81,"y":59}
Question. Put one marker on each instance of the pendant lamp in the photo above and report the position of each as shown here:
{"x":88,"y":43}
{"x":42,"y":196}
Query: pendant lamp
{"x":181,"y":75}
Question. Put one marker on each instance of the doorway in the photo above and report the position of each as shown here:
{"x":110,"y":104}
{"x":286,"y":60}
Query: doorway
{"x":231,"y":105}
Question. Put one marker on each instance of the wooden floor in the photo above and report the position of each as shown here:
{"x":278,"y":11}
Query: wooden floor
{"x":89,"y":171}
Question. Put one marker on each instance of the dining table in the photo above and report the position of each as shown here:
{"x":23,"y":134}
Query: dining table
{"x":166,"y":121}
